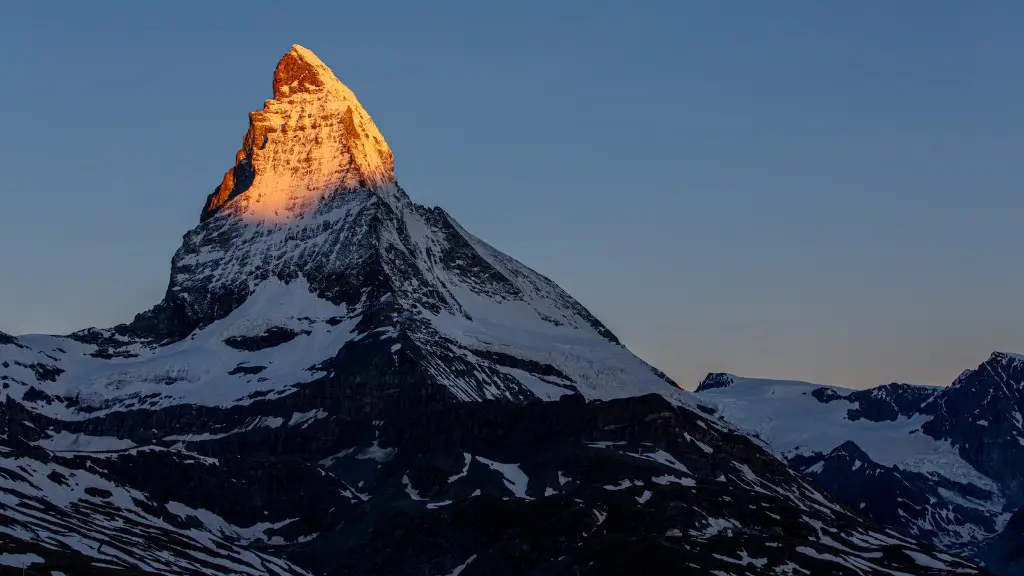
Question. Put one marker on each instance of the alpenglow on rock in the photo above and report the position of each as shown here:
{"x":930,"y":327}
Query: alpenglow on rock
{"x":313,"y":138}
{"x":340,"y":381}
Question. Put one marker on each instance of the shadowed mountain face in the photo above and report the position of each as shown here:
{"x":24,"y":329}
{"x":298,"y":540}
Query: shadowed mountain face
{"x":940,"y":464}
{"x":340,"y":381}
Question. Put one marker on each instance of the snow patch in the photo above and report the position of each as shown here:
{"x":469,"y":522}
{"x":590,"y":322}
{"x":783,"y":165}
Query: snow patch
{"x":68,"y":442}
{"x":458,"y":569}
{"x":412,"y":492}
{"x":218,"y":525}
{"x":515,"y":479}
{"x":20,"y":560}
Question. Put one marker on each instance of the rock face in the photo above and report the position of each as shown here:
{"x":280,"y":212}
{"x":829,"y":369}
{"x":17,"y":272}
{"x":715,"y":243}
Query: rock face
{"x":715,"y":380}
{"x":340,"y":381}
{"x":981,"y":414}
{"x":940,"y":464}
{"x":313,"y":138}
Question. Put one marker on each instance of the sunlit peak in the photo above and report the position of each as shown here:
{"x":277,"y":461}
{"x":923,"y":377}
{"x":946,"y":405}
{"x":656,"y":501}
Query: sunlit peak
{"x":312,"y":139}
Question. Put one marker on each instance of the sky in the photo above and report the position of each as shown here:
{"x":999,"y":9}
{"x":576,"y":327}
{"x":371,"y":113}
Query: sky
{"x":824,"y":191}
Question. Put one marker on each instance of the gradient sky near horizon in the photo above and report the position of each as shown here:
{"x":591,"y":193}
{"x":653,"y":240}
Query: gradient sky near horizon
{"x":827,"y":191}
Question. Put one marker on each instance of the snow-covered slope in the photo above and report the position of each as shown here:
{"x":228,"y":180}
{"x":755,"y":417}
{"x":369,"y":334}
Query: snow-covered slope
{"x":800,"y":418}
{"x":941,"y":464}
{"x":336,"y":373}
{"x":59,"y":515}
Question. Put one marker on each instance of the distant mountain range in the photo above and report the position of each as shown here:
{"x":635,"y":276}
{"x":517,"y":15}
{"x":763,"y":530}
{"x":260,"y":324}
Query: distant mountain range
{"x":945,"y":465}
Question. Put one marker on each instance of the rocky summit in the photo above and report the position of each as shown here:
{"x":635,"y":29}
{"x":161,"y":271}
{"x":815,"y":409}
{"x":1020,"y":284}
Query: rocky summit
{"x":341,"y":381}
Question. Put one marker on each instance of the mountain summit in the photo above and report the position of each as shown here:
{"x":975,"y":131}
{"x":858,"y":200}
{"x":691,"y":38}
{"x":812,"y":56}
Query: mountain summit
{"x":341,"y":381}
{"x":313,"y":138}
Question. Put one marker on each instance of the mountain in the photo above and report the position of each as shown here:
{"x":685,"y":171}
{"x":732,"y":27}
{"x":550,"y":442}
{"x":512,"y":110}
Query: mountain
{"x":340,"y":381}
{"x":939,"y":464}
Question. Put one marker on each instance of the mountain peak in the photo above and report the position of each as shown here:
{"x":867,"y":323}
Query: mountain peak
{"x":312,"y":139}
{"x":716,"y":380}
{"x":1005,"y":357}
{"x":1001,"y":367}
{"x":300,"y":70}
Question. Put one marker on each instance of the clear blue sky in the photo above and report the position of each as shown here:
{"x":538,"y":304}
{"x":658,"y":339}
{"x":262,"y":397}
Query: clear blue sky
{"x":820,"y":190}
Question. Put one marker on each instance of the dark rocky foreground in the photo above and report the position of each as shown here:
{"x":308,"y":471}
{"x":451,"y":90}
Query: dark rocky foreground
{"x":635,"y":485}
